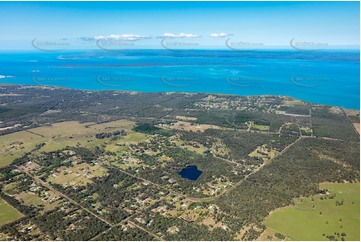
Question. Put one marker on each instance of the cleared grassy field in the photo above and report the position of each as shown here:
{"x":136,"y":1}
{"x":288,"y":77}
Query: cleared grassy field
{"x":12,"y":146}
{"x":8,"y":214}
{"x":72,"y":133}
{"x":315,"y":218}
{"x":260,"y":127}
{"x":79,"y":174}
{"x":58,"y":136}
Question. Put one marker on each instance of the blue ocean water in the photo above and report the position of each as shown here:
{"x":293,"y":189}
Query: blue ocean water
{"x":324,"y":77}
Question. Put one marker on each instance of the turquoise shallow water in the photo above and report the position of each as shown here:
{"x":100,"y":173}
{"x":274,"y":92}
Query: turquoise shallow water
{"x":325,"y":77}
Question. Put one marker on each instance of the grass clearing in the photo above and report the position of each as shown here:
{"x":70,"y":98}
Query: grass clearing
{"x":79,"y":174}
{"x":2,"y":237}
{"x":187,"y":126}
{"x":8,"y":214}
{"x":134,"y":137}
{"x":315,"y":218}
{"x":30,"y":199}
{"x":13,"y":145}
{"x":263,"y":152}
{"x":260,"y":127}
{"x":58,"y":136}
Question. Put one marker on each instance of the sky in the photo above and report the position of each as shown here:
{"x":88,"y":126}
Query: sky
{"x":24,"y":25}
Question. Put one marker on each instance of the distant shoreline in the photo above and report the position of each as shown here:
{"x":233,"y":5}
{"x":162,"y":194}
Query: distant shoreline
{"x":129,"y":91}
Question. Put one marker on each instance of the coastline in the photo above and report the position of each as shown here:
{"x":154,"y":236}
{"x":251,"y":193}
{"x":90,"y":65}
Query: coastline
{"x":181,"y":92}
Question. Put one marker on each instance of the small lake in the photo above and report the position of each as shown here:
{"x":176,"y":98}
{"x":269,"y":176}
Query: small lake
{"x":190,"y":172}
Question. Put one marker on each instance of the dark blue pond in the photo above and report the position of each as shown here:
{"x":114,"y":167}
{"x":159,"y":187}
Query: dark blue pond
{"x":190,"y":172}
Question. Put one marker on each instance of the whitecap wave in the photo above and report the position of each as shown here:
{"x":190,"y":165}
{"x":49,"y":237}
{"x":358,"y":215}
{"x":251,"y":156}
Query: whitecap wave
{"x":2,"y":76}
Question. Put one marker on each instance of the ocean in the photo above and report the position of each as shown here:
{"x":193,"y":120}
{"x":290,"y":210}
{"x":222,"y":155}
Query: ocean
{"x":322,"y":77}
